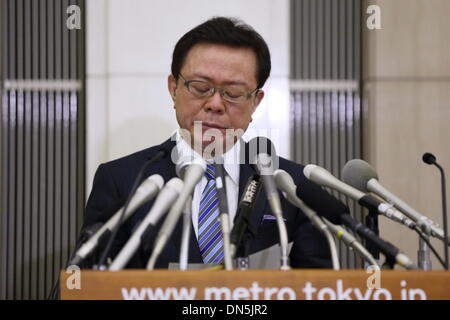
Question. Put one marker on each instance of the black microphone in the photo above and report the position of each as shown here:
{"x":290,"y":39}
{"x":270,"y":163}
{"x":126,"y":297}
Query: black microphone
{"x":392,"y":253}
{"x":240,"y":231}
{"x":430,"y":159}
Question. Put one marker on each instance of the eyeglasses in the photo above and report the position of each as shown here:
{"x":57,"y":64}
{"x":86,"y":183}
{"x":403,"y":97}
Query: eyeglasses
{"x":231,"y":93}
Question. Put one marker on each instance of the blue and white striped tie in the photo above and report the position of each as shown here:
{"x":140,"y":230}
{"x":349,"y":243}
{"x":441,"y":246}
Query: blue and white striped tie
{"x":210,"y":238}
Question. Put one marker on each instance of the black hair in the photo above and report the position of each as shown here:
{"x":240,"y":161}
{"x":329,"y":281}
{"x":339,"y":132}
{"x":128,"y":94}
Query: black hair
{"x":226,"y":31}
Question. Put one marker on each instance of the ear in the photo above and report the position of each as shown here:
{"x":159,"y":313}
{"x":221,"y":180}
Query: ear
{"x":172,"y":86}
{"x":257,"y":100}
{"x":259,"y":97}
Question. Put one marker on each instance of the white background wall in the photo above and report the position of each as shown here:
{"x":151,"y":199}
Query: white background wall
{"x":129,"y":49}
{"x":407,"y":89}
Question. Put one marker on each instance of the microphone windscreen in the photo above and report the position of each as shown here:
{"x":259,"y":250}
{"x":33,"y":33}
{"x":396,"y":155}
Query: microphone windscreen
{"x":357,"y":173}
{"x":428,"y":158}
{"x":181,"y":166}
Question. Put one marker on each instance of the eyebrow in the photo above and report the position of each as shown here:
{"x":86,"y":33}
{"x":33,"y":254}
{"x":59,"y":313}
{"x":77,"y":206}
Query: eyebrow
{"x":199,"y":75}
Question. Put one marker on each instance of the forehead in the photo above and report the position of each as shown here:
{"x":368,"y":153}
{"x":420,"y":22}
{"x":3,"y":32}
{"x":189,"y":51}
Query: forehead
{"x":221,"y":63}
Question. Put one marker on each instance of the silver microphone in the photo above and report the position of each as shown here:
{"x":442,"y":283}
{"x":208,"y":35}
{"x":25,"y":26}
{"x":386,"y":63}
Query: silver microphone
{"x":265,"y":168}
{"x":168,"y":194}
{"x":286,"y":184}
{"x":145,"y":192}
{"x":191,"y":172}
{"x":351,"y":241}
{"x":323,"y":177}
{"x":363,"y":176}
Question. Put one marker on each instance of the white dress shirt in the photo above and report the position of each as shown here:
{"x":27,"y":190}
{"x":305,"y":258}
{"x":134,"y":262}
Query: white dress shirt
{"x":232,"y":169}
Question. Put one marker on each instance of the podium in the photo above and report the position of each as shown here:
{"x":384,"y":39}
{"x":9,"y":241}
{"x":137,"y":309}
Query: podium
{"x":298,"y":284}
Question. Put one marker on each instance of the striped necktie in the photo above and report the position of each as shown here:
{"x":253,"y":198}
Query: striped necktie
{"x":210,"y":238}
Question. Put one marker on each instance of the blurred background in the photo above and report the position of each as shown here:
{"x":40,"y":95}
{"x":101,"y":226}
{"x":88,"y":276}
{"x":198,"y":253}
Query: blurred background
{"x":85,"y":82}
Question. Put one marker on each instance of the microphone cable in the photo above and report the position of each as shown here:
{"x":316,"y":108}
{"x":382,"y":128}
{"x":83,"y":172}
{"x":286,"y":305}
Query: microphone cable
{"x":425,"y":238}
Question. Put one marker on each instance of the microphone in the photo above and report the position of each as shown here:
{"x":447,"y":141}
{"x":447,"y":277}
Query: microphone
{"x":351,"y":241}
{"x":286,"y":184}
{"x":191,"y":172}
{"x":243,"y":213}
{"x":162,"y":152}
{"x":364,"y":177}
{"x":431,"y":160}
{"x":90,"y":228}
{"x":224,"y":217}
{"x":162,"y":203}
{"x":185,"y":234}
{"x":392,"y":253}
{"x":325,"y":178}
{"x":145,"y":192}
{"x":265,"y":165}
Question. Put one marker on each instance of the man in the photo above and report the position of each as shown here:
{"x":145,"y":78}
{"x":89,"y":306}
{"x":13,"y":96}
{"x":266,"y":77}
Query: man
{"x":218,"y":70}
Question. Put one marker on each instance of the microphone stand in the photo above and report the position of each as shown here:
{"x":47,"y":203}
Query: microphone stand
{"x":264,"y":164}
{"x":444,"y":212}
{"x":223,"y":216}
{"x":187,"y":216}
{"x":430,"y":159}
{"x":423,"y":255}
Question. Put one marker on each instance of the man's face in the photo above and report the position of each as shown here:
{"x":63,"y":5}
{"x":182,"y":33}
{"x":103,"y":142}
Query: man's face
{"x":219,"y":65}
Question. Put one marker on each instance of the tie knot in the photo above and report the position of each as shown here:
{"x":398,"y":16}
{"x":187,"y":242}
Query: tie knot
{"x":210,"y":172}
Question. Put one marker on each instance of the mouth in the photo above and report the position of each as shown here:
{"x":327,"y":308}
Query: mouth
{"x":210,"y":125}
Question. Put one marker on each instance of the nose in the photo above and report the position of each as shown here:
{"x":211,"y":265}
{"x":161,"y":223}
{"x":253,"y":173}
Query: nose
{"x":215,"y":103}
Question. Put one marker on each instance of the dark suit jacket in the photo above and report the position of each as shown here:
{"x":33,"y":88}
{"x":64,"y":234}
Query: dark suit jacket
{"x":113,"y":181}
